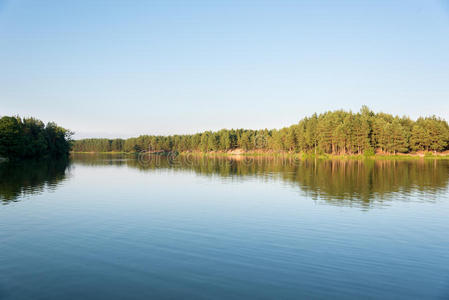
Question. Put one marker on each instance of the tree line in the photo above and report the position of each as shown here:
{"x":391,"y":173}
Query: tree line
{"x":31,"y":138}
{"x":333,"y":132}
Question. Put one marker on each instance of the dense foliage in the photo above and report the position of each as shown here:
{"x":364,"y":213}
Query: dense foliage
{"x":337,"y":132}
{"x":30,"y":138}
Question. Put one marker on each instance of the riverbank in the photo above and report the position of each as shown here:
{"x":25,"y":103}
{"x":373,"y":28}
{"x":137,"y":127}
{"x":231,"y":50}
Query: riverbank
{"x":101,"y":152}
{"x":428,"y":155}
{"x":240,"y":154}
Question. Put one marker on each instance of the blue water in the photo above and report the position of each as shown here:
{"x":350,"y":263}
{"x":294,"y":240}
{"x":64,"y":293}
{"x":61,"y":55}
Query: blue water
{"x":104,"y":228}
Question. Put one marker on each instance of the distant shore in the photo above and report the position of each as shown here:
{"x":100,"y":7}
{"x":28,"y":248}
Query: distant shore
{"x":240,"y":153}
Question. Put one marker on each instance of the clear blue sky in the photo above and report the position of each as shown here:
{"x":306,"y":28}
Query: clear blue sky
{"x":124,"y":68}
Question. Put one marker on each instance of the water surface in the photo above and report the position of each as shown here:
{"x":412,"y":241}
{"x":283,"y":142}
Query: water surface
{"x":121,"y":227}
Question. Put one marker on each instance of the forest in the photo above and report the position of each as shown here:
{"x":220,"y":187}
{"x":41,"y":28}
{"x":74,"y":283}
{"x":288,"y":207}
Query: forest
{"x":30,"y":138}
{"x":335,"y":132}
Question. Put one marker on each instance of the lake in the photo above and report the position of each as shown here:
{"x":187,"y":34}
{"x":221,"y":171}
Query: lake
{"x":153,"y":227}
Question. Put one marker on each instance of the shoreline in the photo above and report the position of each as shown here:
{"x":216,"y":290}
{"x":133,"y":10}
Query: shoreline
{"x":233,"y":154}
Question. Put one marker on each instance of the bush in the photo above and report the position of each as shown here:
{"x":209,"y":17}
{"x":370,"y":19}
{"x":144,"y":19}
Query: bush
{"x":369,"y":152}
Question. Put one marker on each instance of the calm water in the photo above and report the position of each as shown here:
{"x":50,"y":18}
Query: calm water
{"x":113,"y":227}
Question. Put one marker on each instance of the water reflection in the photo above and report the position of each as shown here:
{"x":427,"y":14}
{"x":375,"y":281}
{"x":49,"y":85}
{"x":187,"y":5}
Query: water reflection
{"x":30,"y":177}
{"x":340,"y":182}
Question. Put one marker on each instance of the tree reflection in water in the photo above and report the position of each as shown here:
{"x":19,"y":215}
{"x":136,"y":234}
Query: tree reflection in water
{"x":29,"y":177}
{"x":340,"y":182}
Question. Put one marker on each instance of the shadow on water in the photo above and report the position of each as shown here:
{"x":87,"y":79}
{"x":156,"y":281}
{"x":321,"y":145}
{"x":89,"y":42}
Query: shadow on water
{"x":340,"y":182}
{"x":30,"y":177}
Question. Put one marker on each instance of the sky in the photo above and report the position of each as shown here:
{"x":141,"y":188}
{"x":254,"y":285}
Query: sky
{"x":126,"y":68}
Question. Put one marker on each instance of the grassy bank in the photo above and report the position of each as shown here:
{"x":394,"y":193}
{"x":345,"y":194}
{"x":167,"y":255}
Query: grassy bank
{"x":428,"y":155}
{"x":320,"y":156}
{"x":104,"y":152}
